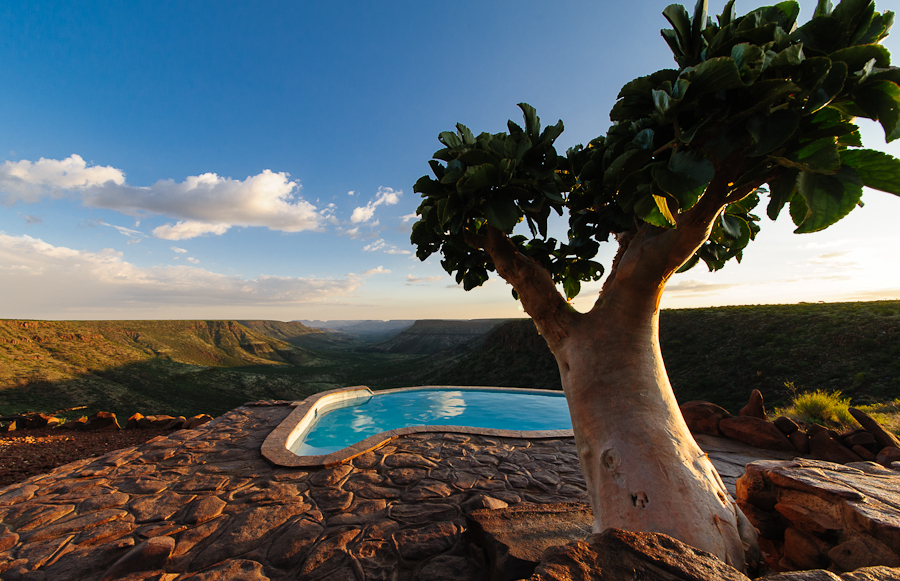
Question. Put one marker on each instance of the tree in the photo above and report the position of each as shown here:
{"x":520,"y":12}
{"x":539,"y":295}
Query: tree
{"x":758,"y":107}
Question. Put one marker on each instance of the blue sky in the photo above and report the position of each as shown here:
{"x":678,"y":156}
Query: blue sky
{"x":256,"y":160}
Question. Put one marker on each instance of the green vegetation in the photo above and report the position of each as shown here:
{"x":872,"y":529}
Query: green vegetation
{"x":819,"y":407}
{"x":846,"y":347}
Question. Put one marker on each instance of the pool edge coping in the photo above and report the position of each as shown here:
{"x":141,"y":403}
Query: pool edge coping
{"x":275,"y":447}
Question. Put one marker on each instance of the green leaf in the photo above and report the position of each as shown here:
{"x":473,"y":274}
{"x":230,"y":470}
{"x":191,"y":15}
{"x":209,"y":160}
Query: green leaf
{"x":663,"y":205}
{"x":693,"y":166}
{"x":792,"y":56}
{"x":748,"y":59}
{"x":713,"y":75}
{"x":823,"y":8}
{"x":450,"y":139}
{"x":781,"y":189}
{"x":701,"y":10}
{"x":502,"y":214}
{"x":828,"y":198}
{"x":731,"y":225}
{"x":532,"y":121}
{"x":647,"y":210}
{"x":465,"y":134}
{"x":572,"y":286}
{"x":680,"y":20}
{"x":476,"y":157}
{"x":856,"y":57}
{"x":770,"y":132}
{"x":820,"y":156}
{"x":881,"y":101}
{"x":828,"y":87}
{"x":876,"y":169}
{"x":479,"y":177}
{"x":644,"y":139}
{"x":798,"y":209}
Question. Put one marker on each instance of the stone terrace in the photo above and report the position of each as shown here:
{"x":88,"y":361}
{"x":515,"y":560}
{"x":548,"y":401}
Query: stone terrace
{"x":204,"y":505}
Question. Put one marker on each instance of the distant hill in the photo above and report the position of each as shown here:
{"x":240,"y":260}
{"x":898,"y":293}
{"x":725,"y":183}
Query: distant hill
{"x":721,"y":354}
{"x":366,"y":330}
{"x":433,"y":336}
{"x":67,"y":363}
{"x":292,"y":332}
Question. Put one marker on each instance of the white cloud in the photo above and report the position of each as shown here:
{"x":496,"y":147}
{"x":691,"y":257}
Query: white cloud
{"x":187,"y":230}
{"x":266,"y":199}
{"x":193,"y":260}
{"x":30,"y":181}
{"x":380,"y":244}
{"x":691,"y":287}
{"x":32,"y":220}
{"x":375,"y":246}
{"x":407,"y":217}
{"x":410,"y":279}
{"x":178,"y":250}
{"x":379,"y":270}
{"x":386,"y":196}
{"x":32,"y":272}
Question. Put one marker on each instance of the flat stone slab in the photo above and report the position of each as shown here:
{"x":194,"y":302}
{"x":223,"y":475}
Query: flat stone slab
{"x":813,"y":514}
{"x":514,"y":538}
{"x":387,"y":514}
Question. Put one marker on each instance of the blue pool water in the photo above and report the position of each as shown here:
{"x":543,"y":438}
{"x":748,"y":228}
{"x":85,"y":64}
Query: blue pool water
{"x":348,"y":422}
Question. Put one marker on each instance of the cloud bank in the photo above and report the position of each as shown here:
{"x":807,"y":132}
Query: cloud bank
{"x":203,"y":204}
{"x":33,"y":271}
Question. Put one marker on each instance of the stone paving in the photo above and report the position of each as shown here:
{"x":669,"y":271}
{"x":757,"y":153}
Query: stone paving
{"x":204,"y":505}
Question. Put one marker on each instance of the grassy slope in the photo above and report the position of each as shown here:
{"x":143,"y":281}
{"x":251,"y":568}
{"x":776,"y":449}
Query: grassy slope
{"x":188,"y":367}
{"x":127,"y":366}
{"x":721,"y":354}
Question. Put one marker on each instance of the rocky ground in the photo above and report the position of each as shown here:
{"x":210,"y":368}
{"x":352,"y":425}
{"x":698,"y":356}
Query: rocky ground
{"x":27,"y":453}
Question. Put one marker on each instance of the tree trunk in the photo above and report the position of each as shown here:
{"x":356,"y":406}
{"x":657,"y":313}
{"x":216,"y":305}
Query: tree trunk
{"x":642,"y":467}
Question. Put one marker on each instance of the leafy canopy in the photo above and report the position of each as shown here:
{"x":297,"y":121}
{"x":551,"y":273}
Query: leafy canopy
{"x":757,"y":103}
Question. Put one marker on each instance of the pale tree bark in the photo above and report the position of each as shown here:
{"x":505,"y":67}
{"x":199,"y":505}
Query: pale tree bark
{"x":642,"y":467}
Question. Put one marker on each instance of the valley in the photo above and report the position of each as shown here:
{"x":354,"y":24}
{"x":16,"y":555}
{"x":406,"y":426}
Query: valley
{"x":192,"y":367}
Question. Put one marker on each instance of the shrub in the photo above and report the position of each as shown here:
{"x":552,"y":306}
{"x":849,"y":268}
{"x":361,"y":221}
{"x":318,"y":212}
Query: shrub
{"x":820,"y":407}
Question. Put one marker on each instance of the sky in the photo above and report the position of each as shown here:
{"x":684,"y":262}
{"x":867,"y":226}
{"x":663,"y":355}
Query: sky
{"x":238,"y":160}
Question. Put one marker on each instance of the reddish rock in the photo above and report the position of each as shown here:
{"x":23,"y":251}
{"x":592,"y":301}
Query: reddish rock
{"x":197,"y":421}
{"x":424,"y":542}
{"x":824,"y":447}
{"x":888,"y":455}
{"x":231,"y":570}
{"x":859,"y":438}
{"x":76,"y":424}
{"x":174,"y":423}
{"x":873,"y":574}
{"x":35,"y":421}
{"x":862,"y":551}
{"x":800,"y":441}
{"x":133,"y":421}
{"x":882,"y":436}
{"x":703,"y":417}
{"x":450,"y":568}
{"x":204,"y":509}
{"x":756,"y":432}
{"x":617,"y":555}
{"x":754,"y":407}
{"x":329,"y":554}
{"x":146,"y":556}
{"x":804,"y":550}
{"x":863,"y":453}
{"x":102,"y":421}
{"x":158,"y":506}
{"x":786,"y":425}
{"x":813,"y":429}
{"x":513,"y":539}
{"x":289,"y":548}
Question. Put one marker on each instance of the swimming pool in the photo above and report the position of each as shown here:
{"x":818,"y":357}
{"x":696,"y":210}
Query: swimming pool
{"x":335,"y":426}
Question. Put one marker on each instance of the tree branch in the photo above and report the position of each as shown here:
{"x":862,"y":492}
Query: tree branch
{"x":534,"y":285}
